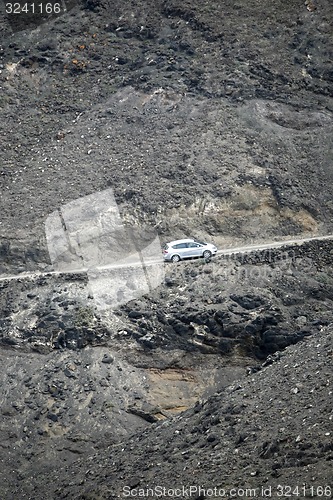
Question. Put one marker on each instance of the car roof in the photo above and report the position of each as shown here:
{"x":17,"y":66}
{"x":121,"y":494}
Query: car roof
{"x":187,"y":240}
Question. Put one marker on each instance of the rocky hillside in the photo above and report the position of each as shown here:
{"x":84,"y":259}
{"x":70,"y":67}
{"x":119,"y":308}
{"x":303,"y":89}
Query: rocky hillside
{"x":234,"y":101}
{"x":78,"y":382}
{"x":271,"y":431}
{"x":206,"y":119}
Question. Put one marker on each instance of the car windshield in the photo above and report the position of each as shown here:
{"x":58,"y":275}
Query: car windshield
{"x":201,"y":242}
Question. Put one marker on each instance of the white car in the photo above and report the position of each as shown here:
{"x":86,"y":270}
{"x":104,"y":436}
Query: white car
{"x":186,"y":249}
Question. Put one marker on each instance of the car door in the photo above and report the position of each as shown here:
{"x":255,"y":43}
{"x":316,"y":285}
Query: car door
{"x":180,"y":249}
{"x":195,"y":249}
{"x":185,"y":251}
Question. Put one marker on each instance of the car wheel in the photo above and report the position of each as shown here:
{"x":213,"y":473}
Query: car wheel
{"x":207,"y":254}
{"x":175,"y":258}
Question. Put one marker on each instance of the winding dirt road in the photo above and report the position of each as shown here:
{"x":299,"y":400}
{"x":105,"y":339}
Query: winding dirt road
{"x":138,"y":263}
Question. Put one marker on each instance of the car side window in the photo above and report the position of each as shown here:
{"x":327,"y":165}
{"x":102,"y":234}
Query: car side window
{"x":193,"y":245}
{"x":180,"y":245}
